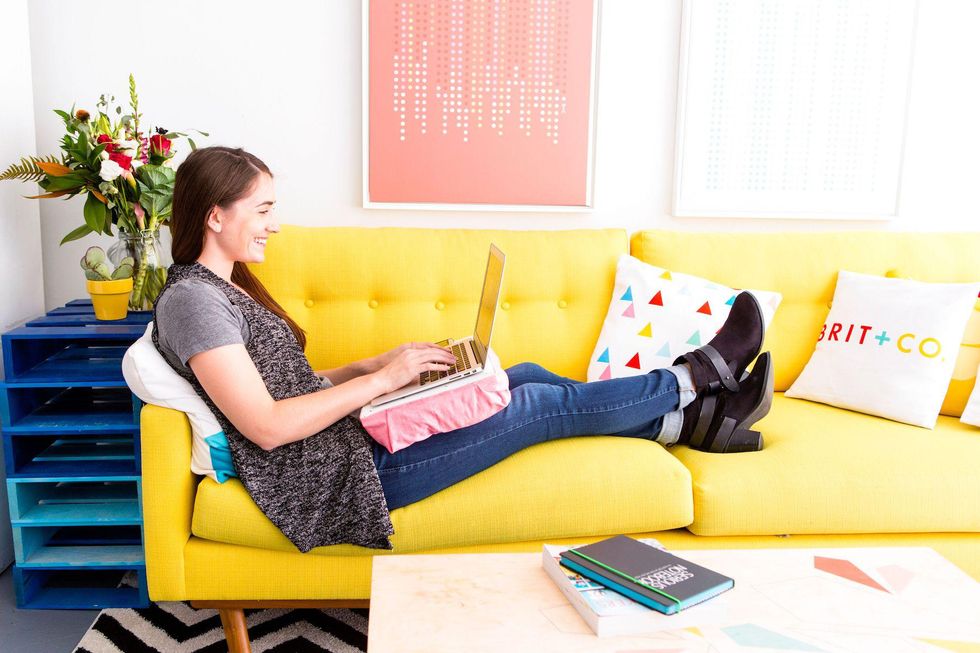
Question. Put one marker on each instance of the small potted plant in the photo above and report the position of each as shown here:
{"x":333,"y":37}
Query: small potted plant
{"x":109,"y":290}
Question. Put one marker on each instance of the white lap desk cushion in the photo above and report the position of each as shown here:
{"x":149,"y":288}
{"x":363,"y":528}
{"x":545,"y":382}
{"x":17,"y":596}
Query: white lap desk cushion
{"x":152,"y":379}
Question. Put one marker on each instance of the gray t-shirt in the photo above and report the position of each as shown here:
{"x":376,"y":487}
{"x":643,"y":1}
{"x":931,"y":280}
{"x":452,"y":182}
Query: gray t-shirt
{"x":194,"y":316}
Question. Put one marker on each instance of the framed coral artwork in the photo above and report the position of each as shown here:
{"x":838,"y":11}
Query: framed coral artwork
{"x":479,"y":104}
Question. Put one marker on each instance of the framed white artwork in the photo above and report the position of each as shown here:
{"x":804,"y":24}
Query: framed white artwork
{"x":792,"y":109}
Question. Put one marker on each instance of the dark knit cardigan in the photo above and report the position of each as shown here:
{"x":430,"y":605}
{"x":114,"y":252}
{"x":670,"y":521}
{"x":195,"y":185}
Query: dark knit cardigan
{"x":321,"y":490}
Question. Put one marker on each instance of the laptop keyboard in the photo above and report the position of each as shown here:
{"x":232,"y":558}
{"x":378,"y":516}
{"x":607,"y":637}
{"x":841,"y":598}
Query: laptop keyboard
{"x":462,"y":363}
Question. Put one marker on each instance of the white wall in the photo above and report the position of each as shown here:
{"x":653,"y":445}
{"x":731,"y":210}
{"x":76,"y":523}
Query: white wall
{"x":21,"y":288}
{"x":283,"y":80}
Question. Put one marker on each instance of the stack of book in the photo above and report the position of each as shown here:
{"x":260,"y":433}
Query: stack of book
{"x":623,"y":586}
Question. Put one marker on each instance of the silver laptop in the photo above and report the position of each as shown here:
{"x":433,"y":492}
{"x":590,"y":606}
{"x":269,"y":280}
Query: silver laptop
{"x":471,"y":351}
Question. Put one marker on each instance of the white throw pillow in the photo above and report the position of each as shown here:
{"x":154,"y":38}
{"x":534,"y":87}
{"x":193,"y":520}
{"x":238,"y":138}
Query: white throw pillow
{"x":656,"y":315}
{"x":888,"y":347}
{"x":971,"y":414}
{"x":152,"y":379}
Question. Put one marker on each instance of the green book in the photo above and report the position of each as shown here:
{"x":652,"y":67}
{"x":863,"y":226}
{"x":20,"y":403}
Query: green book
{"x":657,"y":579}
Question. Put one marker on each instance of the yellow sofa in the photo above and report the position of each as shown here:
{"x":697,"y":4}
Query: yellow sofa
{"x":827,"y":477}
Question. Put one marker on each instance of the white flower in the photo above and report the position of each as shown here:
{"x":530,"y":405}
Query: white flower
{"x":103,"y":155}
{"x":129,"y":145}
{"x":110,"y":170}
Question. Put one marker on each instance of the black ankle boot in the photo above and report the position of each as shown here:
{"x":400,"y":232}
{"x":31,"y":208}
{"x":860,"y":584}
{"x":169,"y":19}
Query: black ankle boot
{"x":720,"y":423}
{"x":722,"y":362}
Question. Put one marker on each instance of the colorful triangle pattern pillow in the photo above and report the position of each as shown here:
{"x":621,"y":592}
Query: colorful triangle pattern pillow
{"x":656,"y":315}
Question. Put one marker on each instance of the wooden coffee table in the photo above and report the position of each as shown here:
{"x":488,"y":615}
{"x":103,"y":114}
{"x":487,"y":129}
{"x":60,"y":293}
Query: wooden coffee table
{"x":894,"y":599}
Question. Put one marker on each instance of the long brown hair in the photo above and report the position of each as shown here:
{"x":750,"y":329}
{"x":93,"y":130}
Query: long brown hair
{"x":210,"y":177}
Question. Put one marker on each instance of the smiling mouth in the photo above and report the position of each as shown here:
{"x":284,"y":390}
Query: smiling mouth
{"x":260,"y":241}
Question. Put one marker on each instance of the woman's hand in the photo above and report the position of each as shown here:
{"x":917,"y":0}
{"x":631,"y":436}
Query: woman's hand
{"x":403,"y":364}
{"x":375,"y":363}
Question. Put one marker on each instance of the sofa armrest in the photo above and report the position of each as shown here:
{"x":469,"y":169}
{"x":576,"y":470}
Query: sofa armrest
{"x":169,"y":487}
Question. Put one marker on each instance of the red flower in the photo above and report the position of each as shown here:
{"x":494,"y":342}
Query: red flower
{"x":159,"y":144}
{"x":105,"y":138}
{"x":125,"y":162}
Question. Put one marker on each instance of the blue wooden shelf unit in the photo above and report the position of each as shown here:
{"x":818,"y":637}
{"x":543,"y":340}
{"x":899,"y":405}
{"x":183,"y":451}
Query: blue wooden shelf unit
{"x":71,"y":442}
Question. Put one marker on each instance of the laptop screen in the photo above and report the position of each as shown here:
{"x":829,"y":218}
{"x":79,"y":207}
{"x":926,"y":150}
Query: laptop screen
{"x":488,"y":300}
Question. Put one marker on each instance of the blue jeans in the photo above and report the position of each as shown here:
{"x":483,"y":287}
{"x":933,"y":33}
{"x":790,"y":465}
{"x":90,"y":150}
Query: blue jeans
{"x":543,"y":406}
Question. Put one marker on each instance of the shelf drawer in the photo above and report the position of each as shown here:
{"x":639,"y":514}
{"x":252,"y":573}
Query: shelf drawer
{"x":78,"y":546}
{"x":69,"y":410}
{"x":81,"y":589}
{"x":74,"y":503}
{"x":56,"y":456}
{"x":66,"y":362}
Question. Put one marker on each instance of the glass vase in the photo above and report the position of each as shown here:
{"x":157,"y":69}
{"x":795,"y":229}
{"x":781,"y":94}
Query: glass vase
{"x":151,"y":260}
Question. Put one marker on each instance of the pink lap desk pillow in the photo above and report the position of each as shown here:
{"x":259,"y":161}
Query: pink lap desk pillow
{"x":457,"y":405}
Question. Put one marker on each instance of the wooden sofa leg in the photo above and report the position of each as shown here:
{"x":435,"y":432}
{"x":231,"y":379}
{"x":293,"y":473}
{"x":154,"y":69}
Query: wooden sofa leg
{"x":236,"y":632}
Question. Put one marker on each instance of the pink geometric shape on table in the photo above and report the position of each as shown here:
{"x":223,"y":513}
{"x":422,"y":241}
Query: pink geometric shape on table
{"x":629,"y":311}
{"x":847,"y":570}
{"x":898,"y":577}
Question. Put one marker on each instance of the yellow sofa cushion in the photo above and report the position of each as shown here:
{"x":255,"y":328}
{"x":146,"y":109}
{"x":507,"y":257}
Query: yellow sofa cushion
{"x":803,"y":267}
{"x":361,"y":291}
{"x":829,"y":470}
{"x":577,"y":486}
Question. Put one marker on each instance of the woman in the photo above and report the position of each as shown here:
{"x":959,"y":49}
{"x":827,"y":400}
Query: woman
{"x":307,"y":463}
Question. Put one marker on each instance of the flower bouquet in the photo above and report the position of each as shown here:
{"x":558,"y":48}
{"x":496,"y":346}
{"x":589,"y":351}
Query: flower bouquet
{"x":127,"y":178}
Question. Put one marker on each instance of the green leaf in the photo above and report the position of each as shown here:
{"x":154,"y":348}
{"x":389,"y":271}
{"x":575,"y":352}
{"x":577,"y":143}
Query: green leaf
{"x":64,"y":182}
{"x":123,"y":271}
{"x":156,"y":201}
{"x":28,"y":169}
{"x":94,"y":211}
{"x":81,"y":232}
{"x":154,"y":175}
{"x":193,"y":145}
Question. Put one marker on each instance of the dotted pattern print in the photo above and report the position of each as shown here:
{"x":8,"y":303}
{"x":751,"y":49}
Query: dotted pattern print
{"x":795,"y":107}
{"x":480,"y":101}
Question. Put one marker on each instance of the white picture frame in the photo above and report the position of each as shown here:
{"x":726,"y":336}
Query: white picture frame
{"x":731,"y":57}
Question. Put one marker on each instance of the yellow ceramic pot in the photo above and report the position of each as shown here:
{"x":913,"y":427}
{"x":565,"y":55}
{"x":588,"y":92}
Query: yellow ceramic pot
{"x":110,"y":298}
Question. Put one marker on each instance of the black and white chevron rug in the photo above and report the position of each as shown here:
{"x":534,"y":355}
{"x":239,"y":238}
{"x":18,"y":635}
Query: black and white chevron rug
{"x":176,"y":627}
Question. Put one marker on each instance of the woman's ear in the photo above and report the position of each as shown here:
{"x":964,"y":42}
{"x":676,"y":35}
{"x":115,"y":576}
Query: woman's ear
{"x":214,"y":220}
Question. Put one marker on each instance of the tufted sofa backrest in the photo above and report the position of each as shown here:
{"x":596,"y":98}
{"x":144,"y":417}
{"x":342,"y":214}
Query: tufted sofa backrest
{"x":360,"y":291}
{"x":803,"y":267}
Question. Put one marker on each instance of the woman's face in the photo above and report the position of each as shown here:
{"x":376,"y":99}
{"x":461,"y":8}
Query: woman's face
{"x":243,"y":227}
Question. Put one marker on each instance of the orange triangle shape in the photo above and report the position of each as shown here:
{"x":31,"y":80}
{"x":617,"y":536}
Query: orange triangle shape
{"x":634,"y":362}
{"x":658,"y":299}
{"x":846,"y":569}
{"x":706,"y":309}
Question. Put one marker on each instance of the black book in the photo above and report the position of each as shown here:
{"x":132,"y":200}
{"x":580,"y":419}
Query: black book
{"x":657,"y":579}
